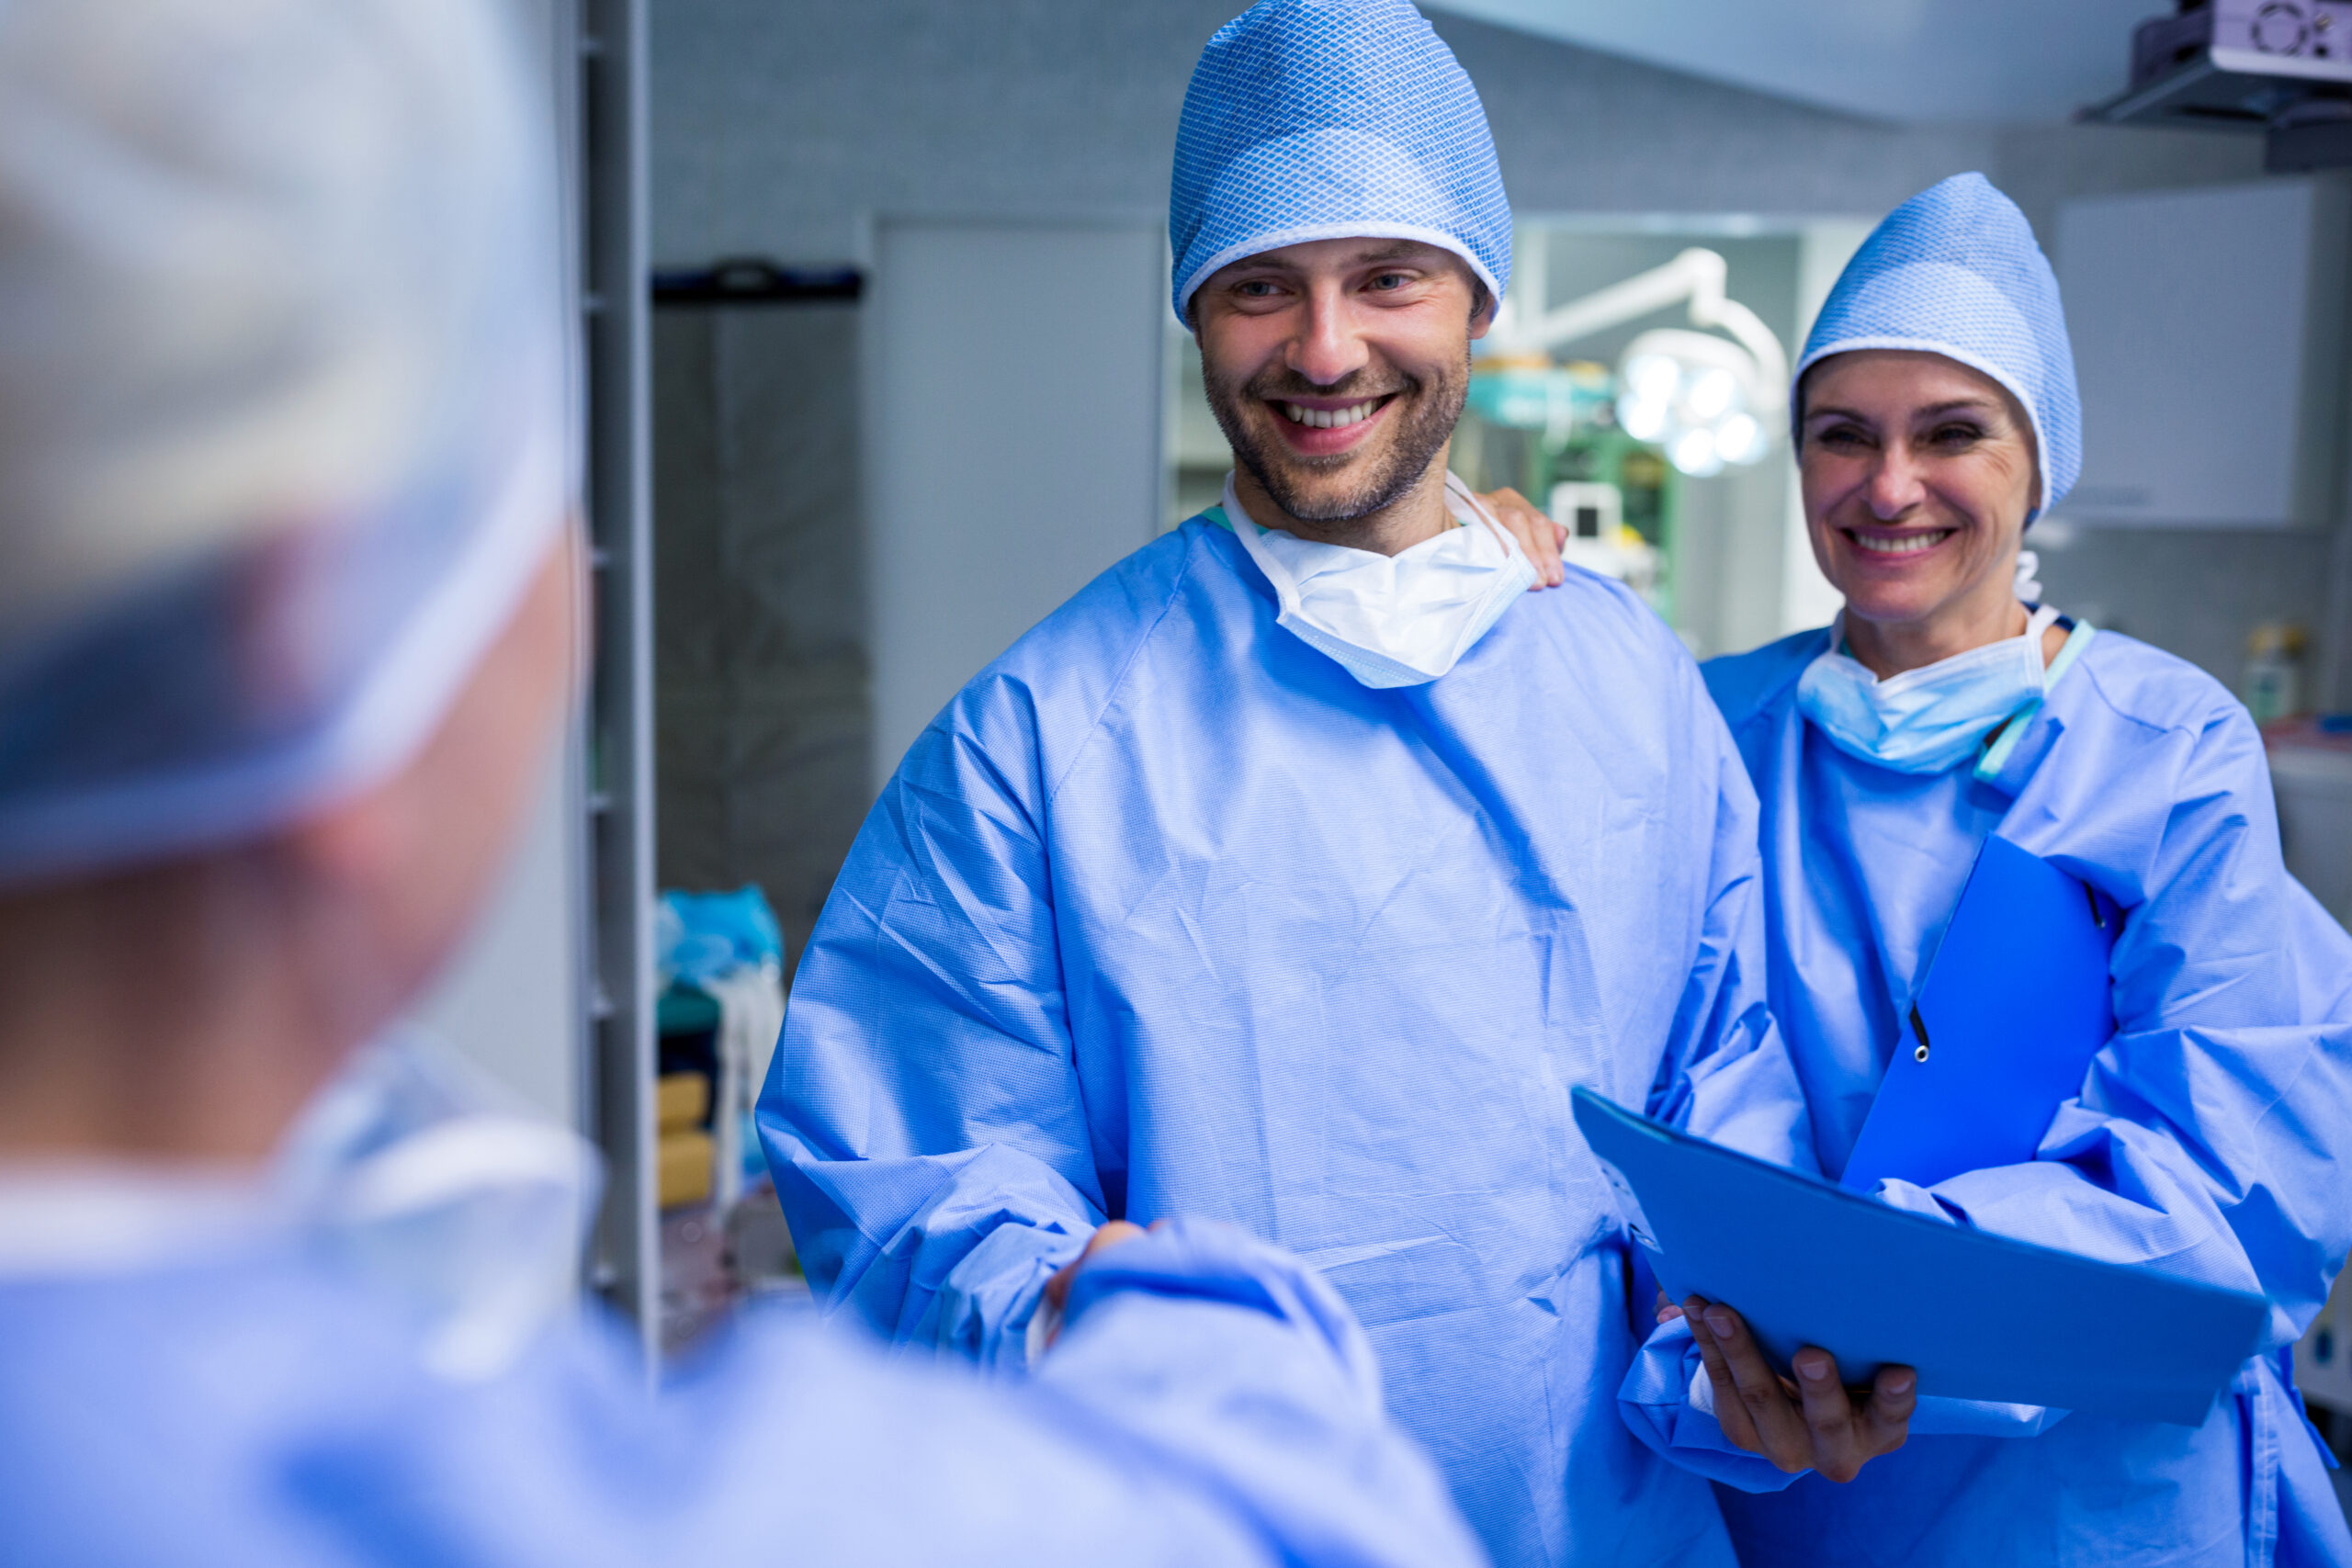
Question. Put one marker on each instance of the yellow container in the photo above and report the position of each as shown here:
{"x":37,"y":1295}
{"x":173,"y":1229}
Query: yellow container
{"x":680,"y":1100}
{"x":686,"y":1161}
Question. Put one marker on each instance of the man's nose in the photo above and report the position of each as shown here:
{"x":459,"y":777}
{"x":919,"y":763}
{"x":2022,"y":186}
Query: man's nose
{"x":1328,"y":348}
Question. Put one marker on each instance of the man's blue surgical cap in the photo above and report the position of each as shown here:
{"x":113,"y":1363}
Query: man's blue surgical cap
{"x":1327,"y":119}
{"x":1955,"y":271}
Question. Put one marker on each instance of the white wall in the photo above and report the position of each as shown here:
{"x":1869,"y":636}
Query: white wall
{"x":1012,"y":440}
{"x":509,"y":1001}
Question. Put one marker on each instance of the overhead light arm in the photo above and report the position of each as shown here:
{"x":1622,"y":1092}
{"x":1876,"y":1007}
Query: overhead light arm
{"x":1696,"y":275}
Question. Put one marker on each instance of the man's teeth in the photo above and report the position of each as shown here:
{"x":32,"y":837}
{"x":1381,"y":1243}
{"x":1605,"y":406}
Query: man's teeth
{"x":1330,"y":419}
{"x":1902,"y":544}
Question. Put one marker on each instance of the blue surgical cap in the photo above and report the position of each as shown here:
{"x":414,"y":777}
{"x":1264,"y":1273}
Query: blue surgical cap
{"x":1955,"y":271}
{"x":1327,"y":119}
{"x":284,"y":435}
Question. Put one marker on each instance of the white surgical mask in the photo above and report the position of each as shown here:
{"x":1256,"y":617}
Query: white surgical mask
{"x":1931,"y":718}
{"x":1400,"y":620}
{"x":431,"y":1185}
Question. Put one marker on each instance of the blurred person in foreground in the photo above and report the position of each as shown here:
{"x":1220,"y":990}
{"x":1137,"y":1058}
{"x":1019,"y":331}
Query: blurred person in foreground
{"x":287,"y":624}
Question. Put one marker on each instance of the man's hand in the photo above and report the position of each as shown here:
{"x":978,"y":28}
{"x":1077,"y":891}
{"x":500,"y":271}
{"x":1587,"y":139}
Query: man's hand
{"x":1106,"y":1235}
{"x":1537,"y":533}
{"x":1810,"y":1424}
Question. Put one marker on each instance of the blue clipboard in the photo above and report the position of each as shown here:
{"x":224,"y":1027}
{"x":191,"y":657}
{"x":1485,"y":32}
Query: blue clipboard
{"x":1979,"y":1316}
{"x":2015,"y":1004}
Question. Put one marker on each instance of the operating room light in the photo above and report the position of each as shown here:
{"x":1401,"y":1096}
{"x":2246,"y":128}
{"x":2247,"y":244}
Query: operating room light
{"x":1694,"y":453}
{"x":1739,"y":439}
{"x":1693,"y":394}
{"x":1713,"y":393}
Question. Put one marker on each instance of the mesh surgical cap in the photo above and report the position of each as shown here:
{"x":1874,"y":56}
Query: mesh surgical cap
{"x":282,"y":430}
{"x":1326,"y":119}
{"x":1955,"y":271}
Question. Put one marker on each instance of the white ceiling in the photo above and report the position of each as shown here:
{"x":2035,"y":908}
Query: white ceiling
{"x":1913,"y":60}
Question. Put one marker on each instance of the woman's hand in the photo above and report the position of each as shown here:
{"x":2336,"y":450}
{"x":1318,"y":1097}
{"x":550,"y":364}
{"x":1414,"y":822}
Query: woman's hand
{"x":1537,"y":533}
{"x":1810,"y":1424}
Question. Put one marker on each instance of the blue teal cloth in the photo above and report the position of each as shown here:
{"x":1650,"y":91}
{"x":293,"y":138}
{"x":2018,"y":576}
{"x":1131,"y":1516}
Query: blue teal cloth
{"x":2209,"y":1138}
{"x":1955,"y":271}
{"x":1322,"y":119}
{"x":700,"y":936}
{"x":1168,"y":913}
{"x":1209,"y":1404}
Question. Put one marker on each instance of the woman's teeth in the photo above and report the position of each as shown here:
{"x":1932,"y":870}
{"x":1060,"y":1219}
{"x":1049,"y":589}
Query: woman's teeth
{"x":1900,"y":544}
{"x":1330,"y":419}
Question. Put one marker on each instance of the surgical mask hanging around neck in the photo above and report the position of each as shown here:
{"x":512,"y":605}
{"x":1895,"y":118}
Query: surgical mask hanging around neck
{"x":1400,"y":620}
{"x":1929,"y":719}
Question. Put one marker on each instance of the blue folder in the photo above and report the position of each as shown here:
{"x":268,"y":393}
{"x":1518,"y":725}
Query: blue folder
{"x":1979,"y":1316}
{"x":2002,"y":1029}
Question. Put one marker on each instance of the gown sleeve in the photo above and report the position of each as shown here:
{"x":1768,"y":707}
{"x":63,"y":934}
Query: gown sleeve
{"x":1727,"y":1076}
{"x":921,"y":1113}
{"x":2209,"y":1136}
{"x":1210,"y":1401}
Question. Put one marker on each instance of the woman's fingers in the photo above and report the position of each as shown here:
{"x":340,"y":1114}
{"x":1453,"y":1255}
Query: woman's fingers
{"x":1779,"y":1428}
{"x":1807,"y":1422}
{"x":1886,"y":1420}
{"x":1730,"y":1414}
{"x":1838,"y":1447}
{"x":1537,"y":535}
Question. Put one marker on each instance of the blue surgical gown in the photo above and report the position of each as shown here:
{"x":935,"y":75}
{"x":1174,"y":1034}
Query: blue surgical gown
{"x":2208,"y":1141}
{"x":1165,"y":913}
{"x":256,"y":1408}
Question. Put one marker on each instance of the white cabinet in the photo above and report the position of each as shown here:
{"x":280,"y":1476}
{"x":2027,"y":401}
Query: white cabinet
{"x":2208,"y":327}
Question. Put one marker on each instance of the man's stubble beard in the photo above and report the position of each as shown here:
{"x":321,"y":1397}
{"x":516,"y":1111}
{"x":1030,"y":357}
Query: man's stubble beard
{"x":1434,"y":408}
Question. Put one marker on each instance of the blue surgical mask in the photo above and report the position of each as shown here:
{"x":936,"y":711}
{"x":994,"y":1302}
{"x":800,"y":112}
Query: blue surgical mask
{"x":1931,"y":718}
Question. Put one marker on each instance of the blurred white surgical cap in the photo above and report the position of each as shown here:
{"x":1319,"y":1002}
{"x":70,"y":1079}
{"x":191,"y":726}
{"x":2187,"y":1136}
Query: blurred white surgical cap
{"x":282,"y":406}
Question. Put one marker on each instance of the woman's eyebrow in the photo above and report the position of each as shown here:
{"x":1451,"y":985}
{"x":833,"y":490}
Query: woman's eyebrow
{"x":1957,"y":405}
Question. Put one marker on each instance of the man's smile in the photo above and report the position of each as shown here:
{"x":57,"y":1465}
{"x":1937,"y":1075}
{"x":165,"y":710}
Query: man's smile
{"x":1325,"y":427}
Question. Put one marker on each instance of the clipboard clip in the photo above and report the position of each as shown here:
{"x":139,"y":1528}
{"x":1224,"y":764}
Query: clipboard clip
{"x":1921,"y":1029}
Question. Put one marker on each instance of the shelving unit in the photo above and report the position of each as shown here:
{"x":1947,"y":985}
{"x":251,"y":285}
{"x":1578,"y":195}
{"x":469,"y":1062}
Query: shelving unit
{"x":602,"y":108}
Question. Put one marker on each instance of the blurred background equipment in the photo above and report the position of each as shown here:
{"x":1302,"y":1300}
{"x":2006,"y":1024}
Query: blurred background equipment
{"x":2279,"y":67}
{"x":1706,"y":401}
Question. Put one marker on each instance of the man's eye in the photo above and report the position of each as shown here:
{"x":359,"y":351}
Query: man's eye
{"x":1256,"y":288}
{"x":1388,"y":281}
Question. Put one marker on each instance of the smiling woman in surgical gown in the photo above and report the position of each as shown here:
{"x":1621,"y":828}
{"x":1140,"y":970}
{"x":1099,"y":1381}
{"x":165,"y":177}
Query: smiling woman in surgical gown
{"x":2207,"y":1137}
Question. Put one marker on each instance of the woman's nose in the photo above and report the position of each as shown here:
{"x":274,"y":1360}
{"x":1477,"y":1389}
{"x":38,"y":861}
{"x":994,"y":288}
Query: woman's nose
{"x":1328,"y":348}
{"x":1896,"y":484}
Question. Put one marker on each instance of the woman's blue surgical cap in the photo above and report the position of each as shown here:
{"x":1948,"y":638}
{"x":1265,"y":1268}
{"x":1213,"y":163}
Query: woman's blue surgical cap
{"x":284,"y":405}
{"x":1326,"y":119}
{"x":1955,"y":271}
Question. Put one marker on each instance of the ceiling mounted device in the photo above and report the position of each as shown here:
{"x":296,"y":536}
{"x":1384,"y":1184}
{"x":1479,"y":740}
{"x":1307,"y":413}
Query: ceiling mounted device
{"x":2279,"y":67}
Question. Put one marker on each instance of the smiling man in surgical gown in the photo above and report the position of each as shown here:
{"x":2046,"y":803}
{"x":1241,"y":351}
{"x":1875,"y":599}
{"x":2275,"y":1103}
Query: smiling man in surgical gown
{"x":1297,"y":869}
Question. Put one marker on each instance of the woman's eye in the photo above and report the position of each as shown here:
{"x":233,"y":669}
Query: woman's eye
{"x":1951,"y":435}
{"x":1841,"y":437}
